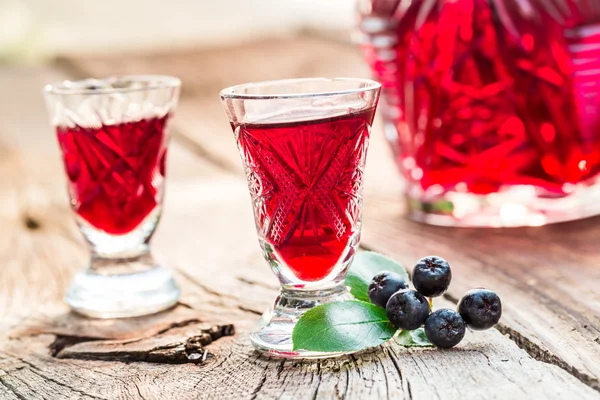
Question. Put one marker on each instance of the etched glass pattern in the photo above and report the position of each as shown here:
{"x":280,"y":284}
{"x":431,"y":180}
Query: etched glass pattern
{"x":303,"y":144}
{"x":113,"y":137}
{"x":491,"y":106}
{"x":305,"y":181}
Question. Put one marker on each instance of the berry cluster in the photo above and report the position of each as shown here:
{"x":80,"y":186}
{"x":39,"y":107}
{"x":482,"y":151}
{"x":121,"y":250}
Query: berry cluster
{"x":409,"y":309}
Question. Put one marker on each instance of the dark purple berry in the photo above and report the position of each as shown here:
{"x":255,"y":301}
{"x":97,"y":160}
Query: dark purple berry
{"x":407,"y":309}
{"x":432,"y":276}
{"x":384,"y":285}
{"x":480,"y":309}
{"x":444,"y":328}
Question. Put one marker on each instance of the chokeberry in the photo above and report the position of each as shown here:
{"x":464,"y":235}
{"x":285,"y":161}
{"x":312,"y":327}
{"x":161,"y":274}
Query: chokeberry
{"x":407,"y":309}
{"x":431,"y":276}
{"x":480,"y":309}
{"x":444,"y":328}
{"x":384,"y":285}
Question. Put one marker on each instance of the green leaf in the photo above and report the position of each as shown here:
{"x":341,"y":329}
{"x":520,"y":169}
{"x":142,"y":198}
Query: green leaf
{"x":365,"y":266}
{"x":342,"y":326}
{"x":416,"y":338}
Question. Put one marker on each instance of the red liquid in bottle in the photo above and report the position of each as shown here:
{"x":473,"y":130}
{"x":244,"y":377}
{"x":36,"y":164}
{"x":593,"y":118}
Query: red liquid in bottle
{"x":489,"y":93}
{"x":305,"y":179}
{"x":115,"y":171}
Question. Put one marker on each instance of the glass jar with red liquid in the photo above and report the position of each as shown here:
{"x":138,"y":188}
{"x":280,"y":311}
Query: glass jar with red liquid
{"x":491,"y":106}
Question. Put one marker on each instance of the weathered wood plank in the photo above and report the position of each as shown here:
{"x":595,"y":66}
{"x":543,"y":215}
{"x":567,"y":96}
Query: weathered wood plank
{"x":485,"y":365}
{"x":548,"y":277}
{"x":208,"y":236}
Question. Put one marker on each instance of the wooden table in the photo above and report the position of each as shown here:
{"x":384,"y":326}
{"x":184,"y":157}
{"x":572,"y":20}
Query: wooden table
{"x":547,"y":345}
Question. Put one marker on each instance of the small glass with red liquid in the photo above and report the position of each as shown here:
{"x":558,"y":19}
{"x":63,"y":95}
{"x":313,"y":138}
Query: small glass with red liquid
{"x":113,"y":137}
{"x":303,"y":143}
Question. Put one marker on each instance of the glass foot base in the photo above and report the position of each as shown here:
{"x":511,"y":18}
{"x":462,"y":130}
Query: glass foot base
{"x":518,"y":206}
{"x":272,"y":335}
{"x":122,"y":295}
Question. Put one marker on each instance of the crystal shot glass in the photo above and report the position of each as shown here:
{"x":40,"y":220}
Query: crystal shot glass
{"x":303,"y":143}
{"x":113,"y":137}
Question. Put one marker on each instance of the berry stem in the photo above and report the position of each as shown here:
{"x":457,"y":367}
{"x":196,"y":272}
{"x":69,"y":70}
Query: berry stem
{"x":430,"y":302}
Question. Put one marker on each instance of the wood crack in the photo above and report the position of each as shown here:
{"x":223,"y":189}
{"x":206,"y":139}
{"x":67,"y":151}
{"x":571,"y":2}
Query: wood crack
{"x":138,"y":390}
{"x":61,"y":342}
{"x":217,"y":294}
{"x":347,"y":369}
{"x":11,"y":389}
{"x":37,"y":371}
{"x":485,"y":355}
{"x":319,"y":377}
{"x":260,"y":384}
{"x":186,"y":305}
{"x":255,"y":283}
{"x":353,"y":359}
{"x":280,"y":369}
{"x":64,"y":341}
{"x":192,"y":349}
{"x":203,"y":287}
{"x":404,"y":381}
{"x":179,"y":325}
{"x":433,"y":387}
{"x":249,"y":310}
{"x":201,"y":151}
{"x":540,"y":354}
{"x":385,"y":377}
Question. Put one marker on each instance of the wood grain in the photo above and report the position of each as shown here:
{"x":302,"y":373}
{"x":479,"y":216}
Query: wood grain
{"x":485,"y":365}
{"x":207,"y":235}
{"x":547,"y":277}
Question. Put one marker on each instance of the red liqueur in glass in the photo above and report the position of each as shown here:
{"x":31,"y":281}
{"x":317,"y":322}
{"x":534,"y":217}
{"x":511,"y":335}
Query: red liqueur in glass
{"x":303,"y":145}
{"x":305,"y":180}
{"x":113,"y":137}
{"x":115,"y":171}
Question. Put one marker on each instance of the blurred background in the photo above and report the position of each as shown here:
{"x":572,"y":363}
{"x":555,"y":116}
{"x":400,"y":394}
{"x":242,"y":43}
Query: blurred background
{"x":35,"y":30}
{"x":209,"y":45}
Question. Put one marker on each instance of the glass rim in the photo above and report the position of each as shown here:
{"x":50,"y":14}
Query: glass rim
{"x":230,"y":92}
{"x":70,"y":87}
